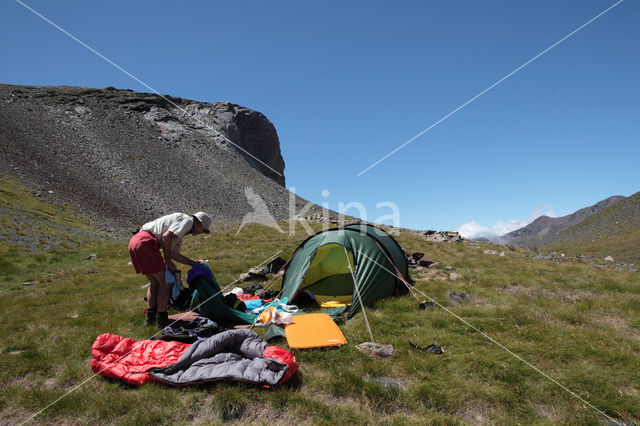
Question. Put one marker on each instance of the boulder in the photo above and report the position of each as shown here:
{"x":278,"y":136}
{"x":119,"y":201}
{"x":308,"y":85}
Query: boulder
{"x":417,"y":255}
{"x":426,"y":261}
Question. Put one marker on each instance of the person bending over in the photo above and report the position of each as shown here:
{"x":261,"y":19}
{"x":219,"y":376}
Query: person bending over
{"x":164,"y":233}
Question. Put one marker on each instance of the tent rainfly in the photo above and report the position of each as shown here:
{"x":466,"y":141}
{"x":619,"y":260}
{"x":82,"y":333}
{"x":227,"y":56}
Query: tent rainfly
{"x":321,"y":265}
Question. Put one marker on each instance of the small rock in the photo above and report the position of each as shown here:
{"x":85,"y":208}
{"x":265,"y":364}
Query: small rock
{"x":91,"y":256}
{"x":425,"y":261}
{"x":539,"y":257}
{"x":502,"y":254}
{"x":30,"y":283}
{"x":609,"y":259}
{"x":130,"y":263}
{"x":492,"y":252}
{"x":440,"y":279}
{"x":417,"y":255}
{"x":449,"y":268}
{"x":384,"y":381}
{"x":376,"y":350}
{"x":453,"y":276}
{"x":458,"y":296}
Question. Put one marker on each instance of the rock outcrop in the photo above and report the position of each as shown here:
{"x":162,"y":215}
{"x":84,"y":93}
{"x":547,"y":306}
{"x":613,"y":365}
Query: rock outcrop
{"x":127,"y":157}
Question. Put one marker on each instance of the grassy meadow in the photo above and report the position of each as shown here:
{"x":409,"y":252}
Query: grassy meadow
{"x":577,"y":322}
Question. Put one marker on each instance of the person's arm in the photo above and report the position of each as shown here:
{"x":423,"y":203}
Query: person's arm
{"x":167,"y":244}
{"x":177,"y":256}
{"x":171,"y":254}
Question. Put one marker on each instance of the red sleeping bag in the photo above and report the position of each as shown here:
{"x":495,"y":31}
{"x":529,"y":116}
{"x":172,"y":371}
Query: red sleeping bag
{"x":238,"y":355}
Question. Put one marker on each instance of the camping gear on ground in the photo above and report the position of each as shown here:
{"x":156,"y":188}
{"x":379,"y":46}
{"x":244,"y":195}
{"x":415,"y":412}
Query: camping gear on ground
{"x":180,"y":297}
{"x":236,"y":355}
{"x":313,"y":331}
{"x":376,"y":350}
{"x":320,"y":266}
{"x":245,"y":296}
{"x":427,"y":305}
{"x":276,"y":265}
{"x":432,"y":349}
{"x":252,"y":288}
{"x":272,"y":315}
{"x":234,"y":302}
{"x":252,"y":304}
{"x":332,"y":304}
{"x":189,"y":331}
{"x":207,"y":298}
{"x":306,"y":298}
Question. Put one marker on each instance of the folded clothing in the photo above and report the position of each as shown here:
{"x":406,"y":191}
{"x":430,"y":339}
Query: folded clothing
{"x":189,"y":331}
{"x":253,"y":304}
{"x":247,"y":296}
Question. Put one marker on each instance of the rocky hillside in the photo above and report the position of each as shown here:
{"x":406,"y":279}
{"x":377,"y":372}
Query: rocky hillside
{"x":125,"y":157}
{"x":543,"y":230}
{"x":614,"y":231}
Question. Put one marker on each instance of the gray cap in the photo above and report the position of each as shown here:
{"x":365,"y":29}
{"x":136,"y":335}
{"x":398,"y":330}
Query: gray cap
{"x":205,"y":220}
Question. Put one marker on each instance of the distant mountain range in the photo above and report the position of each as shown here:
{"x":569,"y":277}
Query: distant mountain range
{"x":614,"y":231}
{"x":543,"y":230}
{"x":610,"y":227}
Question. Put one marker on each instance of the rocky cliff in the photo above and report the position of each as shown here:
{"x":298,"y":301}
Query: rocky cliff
{"x":127,"y":157}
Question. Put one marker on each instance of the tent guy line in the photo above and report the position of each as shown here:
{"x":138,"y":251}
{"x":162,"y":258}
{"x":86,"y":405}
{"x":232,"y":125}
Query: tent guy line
{"x":355,"y":286}
{"x":186,"y":113}
{"x":488,"y":88}
{"x":118,"y":359}
{"x":491,"y":339}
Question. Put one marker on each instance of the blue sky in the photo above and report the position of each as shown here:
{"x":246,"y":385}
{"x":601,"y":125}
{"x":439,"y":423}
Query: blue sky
{"x":345,"y":84}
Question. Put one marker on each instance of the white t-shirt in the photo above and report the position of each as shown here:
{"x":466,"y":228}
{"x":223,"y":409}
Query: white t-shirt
{"x":178,"y":223}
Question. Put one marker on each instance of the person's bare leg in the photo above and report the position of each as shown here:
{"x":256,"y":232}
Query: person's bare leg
{"x":162,"y":298}
{"x":152,"y":293}
{"x":158,"y":291}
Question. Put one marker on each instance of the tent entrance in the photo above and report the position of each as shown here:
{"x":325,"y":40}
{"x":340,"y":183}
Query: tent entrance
{"x":328,"y":276}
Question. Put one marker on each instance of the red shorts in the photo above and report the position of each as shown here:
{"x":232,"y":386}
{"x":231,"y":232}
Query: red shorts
{"x":145,"y":253}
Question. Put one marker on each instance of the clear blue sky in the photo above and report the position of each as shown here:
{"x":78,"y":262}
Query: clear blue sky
{"x":344,"y":84}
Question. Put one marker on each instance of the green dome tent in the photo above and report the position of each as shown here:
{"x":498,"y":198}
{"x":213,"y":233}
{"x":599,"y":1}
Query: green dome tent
{"x":321,"y":266}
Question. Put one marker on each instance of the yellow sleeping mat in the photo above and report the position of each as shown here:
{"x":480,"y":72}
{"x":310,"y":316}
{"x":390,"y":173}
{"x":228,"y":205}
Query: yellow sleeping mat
{"x":313,"y":331}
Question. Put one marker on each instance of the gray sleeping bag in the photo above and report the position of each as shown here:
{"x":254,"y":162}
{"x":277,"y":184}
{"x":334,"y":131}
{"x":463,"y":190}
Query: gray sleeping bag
{"x":231,"y":355}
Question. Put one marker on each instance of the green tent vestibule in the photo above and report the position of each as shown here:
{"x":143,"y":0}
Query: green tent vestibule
{"x":320,"y":266}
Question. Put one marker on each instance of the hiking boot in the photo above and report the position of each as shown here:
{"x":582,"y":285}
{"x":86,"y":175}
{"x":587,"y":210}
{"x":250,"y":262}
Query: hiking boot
{"x":162,"y":320}
{"x":150,"y":316}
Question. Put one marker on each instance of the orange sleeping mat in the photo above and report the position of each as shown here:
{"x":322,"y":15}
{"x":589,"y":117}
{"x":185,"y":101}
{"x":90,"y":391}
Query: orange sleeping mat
{"x":313,"y":331}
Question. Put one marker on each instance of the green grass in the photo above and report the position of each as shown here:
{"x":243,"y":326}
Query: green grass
{"x":575,"y":321}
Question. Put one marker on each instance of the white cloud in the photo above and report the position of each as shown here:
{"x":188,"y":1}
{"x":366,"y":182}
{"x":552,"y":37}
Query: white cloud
{"x":494,"y":233}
